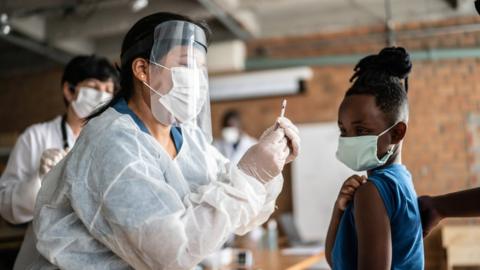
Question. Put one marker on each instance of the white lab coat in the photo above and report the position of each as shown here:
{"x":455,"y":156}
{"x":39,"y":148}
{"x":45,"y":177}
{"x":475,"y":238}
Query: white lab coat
{"x":235,"y":154}
{"x":118,"y":201}
{"x":20,"y":181}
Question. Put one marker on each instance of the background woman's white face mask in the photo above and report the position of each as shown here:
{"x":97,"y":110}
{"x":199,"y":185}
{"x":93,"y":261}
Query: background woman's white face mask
{"x":88,"y":100}
{"x":186,"y":98}
{"x":231,"y":134}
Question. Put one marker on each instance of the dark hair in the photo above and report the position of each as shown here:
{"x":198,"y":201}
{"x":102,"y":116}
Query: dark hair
{"x":231,"y":114}
{"x":85,"y":67}
{"x":381,"y":76}
{"x":141,"y":32}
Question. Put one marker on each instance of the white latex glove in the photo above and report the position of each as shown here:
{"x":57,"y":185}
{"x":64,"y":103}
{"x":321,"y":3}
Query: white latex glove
{"x":278,"y":145}
{"x":293,"y":137}
{"x":49,"y":159}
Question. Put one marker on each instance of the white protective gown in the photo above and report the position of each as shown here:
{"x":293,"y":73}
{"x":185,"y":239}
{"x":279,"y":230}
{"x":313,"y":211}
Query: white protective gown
{"x":118,"y":201}
{"x":20,"y":181}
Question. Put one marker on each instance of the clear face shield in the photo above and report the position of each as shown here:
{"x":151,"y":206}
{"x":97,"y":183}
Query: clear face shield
{"x":178,"y":77}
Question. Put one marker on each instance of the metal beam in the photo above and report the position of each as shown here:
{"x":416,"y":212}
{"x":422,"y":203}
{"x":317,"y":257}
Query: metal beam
{"x":75,"y":45}
{"x":26,"y":8}
{"x":458,"y":4}
{"x":229,"y":21}
{"x":452,"y":3}
{"x":23,"y":8}
{"x":46,"y":50}
{"x":115,"y":21}
{"x":389,"y":23}
{"x":33,"y":27}
{"x":31,"y":30}
{"x":109,"y":47}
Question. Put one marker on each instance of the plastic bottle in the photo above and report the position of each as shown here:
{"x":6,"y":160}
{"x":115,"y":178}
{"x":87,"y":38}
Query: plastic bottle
{"x":272,"y":235}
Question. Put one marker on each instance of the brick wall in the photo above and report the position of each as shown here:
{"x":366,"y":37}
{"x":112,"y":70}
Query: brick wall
{"x":414,"y":35}
{"x":29,"y":99}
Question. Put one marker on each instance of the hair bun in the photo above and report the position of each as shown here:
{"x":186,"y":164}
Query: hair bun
{"x":394,"y":60}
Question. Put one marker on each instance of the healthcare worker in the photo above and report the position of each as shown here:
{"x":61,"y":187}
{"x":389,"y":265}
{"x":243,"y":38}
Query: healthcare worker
{"x":87,"y":82}
{"x":143,"y":187}
{"x":235,"y":141}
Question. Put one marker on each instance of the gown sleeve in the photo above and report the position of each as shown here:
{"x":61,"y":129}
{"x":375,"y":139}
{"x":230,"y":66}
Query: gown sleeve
{"x":20,"y":182}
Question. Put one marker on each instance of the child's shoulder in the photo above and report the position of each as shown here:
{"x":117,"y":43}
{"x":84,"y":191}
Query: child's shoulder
{"x":368,"y":198}
{"x":395,"y":174}
{"x":366,"y":192}
{"x":394,"y":185}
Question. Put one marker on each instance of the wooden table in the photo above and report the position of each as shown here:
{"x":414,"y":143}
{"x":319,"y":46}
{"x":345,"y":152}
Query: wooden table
{"x":462,"y":245}
{"x":11,"y":237}
{"x":274,"y":260}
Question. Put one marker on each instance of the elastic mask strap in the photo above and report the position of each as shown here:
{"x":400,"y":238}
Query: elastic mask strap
{"x":149,"y":87}
{"x":388,"y":154}
{"x":160,"y":65}
{"x":387,"y":130}
{"x":393,"y":149}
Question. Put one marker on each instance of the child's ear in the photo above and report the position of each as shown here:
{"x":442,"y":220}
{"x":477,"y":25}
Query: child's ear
{"x":398,"y":132}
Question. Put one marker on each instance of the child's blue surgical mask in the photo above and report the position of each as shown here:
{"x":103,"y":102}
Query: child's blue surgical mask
{"x":360,"y":153}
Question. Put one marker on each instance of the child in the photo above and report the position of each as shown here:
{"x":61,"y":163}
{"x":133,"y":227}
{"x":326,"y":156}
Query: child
{"x":381,"y":227}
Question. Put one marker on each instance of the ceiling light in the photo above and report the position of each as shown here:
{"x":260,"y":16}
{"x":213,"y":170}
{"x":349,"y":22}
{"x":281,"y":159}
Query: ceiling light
{"x":138,"y":5}
{"x":3,"y":18}
{"x":5,"y":27}
{"x":257,"y":84}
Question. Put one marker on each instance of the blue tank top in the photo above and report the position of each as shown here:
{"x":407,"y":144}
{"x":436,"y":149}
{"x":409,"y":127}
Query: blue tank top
{"x":394,"y":184}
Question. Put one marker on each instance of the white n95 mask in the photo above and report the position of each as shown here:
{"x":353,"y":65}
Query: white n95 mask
{"x":88,"y":100}
{"x":360,"y":153}
{"x":231,"y":134}
{"x":186,"y":98}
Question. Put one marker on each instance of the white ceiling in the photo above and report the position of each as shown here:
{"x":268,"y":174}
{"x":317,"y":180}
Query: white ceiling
{"x":297,"y":17}
{"x":88,"y":26}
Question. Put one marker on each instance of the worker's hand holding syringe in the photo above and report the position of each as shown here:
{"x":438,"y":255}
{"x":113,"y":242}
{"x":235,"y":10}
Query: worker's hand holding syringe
{"x":278,"y":145}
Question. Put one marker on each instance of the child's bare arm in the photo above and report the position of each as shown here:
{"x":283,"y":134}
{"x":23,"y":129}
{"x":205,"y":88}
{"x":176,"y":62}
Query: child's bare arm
{"x":332,"y":233}
{"x":373,"y":230}
{"x":344,"y":197}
